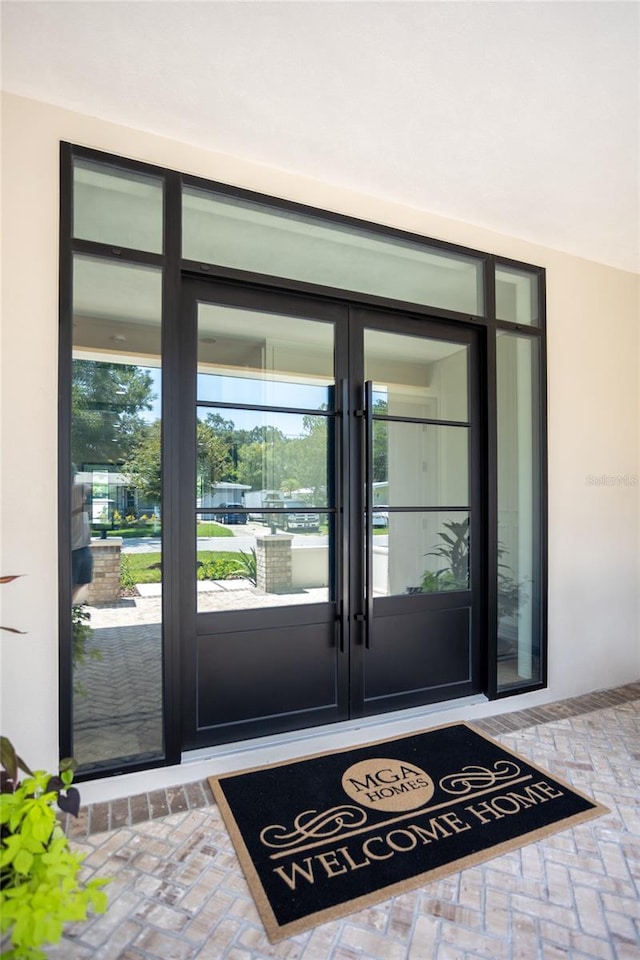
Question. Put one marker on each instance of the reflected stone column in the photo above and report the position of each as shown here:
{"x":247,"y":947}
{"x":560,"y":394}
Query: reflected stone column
{"x":273,"y":567}
{"x":105,"y":586}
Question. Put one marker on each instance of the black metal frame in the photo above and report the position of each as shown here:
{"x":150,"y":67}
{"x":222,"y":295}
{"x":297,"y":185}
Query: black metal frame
{"x":540,"y":486}
{"x":204,"y":623}
{"x":175,"y":438}
{"x":473,"y":336}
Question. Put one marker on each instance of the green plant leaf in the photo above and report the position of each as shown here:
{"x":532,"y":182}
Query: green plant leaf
{"x":11,"y":848}
{"x":23,"y":861}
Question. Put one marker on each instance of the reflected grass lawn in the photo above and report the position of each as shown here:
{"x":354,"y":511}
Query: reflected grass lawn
{"x":209,"y":529}
{"x":146,"y":567}
{"x":205,"y":529}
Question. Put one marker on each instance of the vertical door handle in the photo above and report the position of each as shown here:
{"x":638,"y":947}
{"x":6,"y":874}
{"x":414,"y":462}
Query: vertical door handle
{"x":337,"y":545}
{"x":368,"y":509}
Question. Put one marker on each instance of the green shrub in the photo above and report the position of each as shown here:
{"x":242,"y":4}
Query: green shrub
{"x":247,"y":567}
{"x":127,"y":578}
{"x":40,"y":889}
{"x":217,"y":568}
{"x":439,"y":581}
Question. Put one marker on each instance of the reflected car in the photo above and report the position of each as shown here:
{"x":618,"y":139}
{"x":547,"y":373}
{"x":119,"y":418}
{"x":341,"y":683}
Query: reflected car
{"x":380,"y":517}
{"x":299,"y":521}
{"x":232,"y":516}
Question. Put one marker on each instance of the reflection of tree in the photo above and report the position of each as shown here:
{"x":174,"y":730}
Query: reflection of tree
{"x":143,"y":466}
{"x":106,"y":400}
{"x":289,"y":485}
{"x":262,"y":464}
{"x":263,"y":458}
{"x":217,"y":450}
{"x":307,"y":457}
{"x":215,"y":447}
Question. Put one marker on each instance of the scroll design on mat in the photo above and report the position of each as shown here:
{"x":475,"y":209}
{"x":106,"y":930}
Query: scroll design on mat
{"x":313,"y":824}
{"x":476,"y":777}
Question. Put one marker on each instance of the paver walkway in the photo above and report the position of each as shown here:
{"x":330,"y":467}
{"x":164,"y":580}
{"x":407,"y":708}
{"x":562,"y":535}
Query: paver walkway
{"x":178,"y":891}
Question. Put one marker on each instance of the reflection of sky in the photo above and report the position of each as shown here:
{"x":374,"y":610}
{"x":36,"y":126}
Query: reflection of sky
{"x":268,"y":393}
{"x":306,"y":396}
{"x":271,"y":393}
{"x":150,"y":416}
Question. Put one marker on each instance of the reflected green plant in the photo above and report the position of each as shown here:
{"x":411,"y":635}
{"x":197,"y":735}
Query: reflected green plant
{"x":247,"y":567}
{"x":454,"y":549}
{"x":81,"y":634}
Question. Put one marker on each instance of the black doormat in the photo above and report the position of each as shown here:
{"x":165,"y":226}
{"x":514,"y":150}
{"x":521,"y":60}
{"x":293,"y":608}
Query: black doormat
{"x":327,"y":835}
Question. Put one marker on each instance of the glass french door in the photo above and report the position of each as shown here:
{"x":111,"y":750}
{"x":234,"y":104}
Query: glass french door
{"x":329,"y":512}
{"x":416,"y":496}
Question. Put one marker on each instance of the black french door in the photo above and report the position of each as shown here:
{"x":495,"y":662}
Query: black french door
{"x":416,"y":463}
{"x":331,"y":509}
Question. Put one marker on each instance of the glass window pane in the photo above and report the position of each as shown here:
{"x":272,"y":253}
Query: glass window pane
{"x":416,"y":376}
{"x":244,"y":561}
{"x":250,"y":357}
{"x":251,"y":236}
{"x":423,"y":465}
{"x":116,"y":513}
{"x":517,"y":296}
{"x":253,"y":457}
{"x":117,"y":207}
{"x":421,"y":553}
{"x":518,"y":514}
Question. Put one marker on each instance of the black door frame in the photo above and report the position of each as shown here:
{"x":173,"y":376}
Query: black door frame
{"x":174,"y":268}
{"x":348,"y":571}
{"x":402,"y":322}
{"x":200,"y":625}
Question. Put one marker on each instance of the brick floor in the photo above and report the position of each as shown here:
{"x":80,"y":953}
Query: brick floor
{"x":178,"y":891}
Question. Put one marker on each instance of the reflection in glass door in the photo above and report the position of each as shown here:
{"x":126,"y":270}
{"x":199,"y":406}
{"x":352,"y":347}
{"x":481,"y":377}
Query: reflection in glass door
{"x":330,"y":566}
{"x":261,"y":499}
{"x":421,"y":528}
{"x":116,"y":517}
{"x":266,"y":414}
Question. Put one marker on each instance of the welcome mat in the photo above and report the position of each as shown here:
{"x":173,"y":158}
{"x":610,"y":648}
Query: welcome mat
{"x":329,"y":834}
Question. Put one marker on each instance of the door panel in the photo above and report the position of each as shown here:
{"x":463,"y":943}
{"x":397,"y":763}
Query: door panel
{"x":419,"y":468}
{"x":431,"y":650}
{"x":261,"y":505}
{"x":295,"y":667}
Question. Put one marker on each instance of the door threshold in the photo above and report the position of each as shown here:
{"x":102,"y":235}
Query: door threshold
{"x":345,"y":733}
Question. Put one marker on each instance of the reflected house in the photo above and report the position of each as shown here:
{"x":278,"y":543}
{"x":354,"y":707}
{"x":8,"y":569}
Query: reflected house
{"x":111,"y":492}
{"x":380,"y":493}
{"x":218,"y":494}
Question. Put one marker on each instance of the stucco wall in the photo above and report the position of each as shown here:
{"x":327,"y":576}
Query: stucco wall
{"x":593,"y":417}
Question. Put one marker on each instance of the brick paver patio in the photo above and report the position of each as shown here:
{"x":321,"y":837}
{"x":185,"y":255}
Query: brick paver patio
{"x":178,"y":891}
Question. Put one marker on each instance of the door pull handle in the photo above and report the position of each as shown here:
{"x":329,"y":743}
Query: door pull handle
{"x":368,"y":510}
